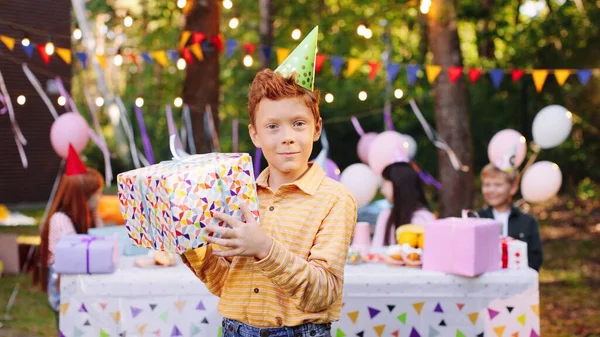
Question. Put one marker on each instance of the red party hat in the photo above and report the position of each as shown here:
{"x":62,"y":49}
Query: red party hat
{"x":74,"y":164}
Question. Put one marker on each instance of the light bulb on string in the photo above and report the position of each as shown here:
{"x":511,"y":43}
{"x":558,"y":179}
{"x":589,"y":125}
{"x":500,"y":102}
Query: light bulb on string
{"x":296,"y":33}
{"x":227,"y":4}
{"x":99,"y":101}
{"x":25,"y":42}
{"x":425,"y":5}
{"x":234,"y":23}
{"x":368,"y":33}
{"x":118,"y":60}
{"x":21,"y":100}
{"x":329,"y":97}
{"x":49,"y":49}
{"x":362,"y":95}
{"x":178,"y":102}
{"x":139,"y":102}
{"x":361,"y":29}
{"x":248,"y":60}
{"x":77,"y":33}
{"x":181,"y":3}
{"x":181,"y":64}
{"x":128,"y":21}
{"x":398,"y":93}
{"x":61,"y":100}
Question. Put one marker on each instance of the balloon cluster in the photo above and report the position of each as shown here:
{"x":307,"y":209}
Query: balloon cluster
{"x":541,"y":180}
{"x":69,"y":128}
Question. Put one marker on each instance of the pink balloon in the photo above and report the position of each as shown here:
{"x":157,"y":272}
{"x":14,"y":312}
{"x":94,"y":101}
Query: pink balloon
{"x":541,"y":181}
{"x":388,"y":147}
{"x":363,"y":146}
{"x":69,"y":128}
{"x":502,"y":144}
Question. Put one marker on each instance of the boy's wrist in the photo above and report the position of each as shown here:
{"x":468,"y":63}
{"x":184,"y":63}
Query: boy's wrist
{"x":265,"y":249}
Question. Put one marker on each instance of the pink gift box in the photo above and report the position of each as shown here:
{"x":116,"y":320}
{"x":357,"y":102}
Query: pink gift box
{"x":513,"y":254}
{"x":462,"y":246}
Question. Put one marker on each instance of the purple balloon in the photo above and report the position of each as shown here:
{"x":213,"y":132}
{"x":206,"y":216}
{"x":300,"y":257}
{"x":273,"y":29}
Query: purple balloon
{"x":332,"y":170}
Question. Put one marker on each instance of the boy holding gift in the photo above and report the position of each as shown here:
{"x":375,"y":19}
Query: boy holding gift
{"x":499,"y":184}
{"x":284,"y":276}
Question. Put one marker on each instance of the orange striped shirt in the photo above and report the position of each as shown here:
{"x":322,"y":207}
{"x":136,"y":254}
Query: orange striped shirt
{"x":311,"y":222}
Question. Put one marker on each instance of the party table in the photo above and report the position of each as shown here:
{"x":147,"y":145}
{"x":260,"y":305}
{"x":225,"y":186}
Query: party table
{"x":379,"y":300}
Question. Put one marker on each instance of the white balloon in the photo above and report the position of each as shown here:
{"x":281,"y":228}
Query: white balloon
{"x":552,"y":126}
{"x":412,"y":145}
{"x":541,"y":181}
{"x":361,"y":181}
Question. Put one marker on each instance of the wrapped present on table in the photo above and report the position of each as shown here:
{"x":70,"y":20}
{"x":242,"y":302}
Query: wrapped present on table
{"x":126,"y":246}
{"x":168,"y":205}
{"x":85,"y":254}
{"x":513,"y":253}
{"x":462,"y":246}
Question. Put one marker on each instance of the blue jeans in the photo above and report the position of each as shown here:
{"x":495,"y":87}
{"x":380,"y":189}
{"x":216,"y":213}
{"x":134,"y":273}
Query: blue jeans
{"x":233,"y":328}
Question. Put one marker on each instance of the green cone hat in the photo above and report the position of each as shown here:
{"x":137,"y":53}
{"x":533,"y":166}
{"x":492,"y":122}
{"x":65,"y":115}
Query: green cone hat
{"x":302,"y":61}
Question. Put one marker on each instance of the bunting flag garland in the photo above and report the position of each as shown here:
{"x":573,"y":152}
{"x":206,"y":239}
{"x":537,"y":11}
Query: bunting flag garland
{"x":282,"y":54}
{"x":454,"y":73}
{"x":336,"y":63}
{"x":497,"y":75}
{"x":353,"y":65}
{"x":319,"y":62}
{"x":374,"y":67}
{"x":432,"y":72}
{"x":517,"y":74}
{"x":8,"y":41}
{"x":562,"y":75}
{"x":474,"y":74}
{"x":412,"y":71}
{"x":539,"y":78}
{"x":392,"y":71}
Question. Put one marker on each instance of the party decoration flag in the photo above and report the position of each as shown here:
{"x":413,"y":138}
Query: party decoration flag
{"x":391,"y":307}
{"x":176,"y":332}
{"x":187,"y":55}
{"x":516,"y":74}
{"x":200,"y":306}
{"x":198,"y":37}
{"x":353,"y":65}
{"x":499,"y":330}
{"x":42,"y":50}
{"x":206,"y":47}
{"x":340,"y":333}
{"x":8,"y":41}
{"x":64,"y":54}
{"x":147,"y":58}
{"x":460,"y":305}
{"x":102,"y":60}
{"x":266,"y":50}
{"x":584,"y":75}
{"x":433,"y":332}
{"x":438,"y":308}
{"x":183,"y":39}
{"x":63,"y":308}
{"x":103,"y":333}
{"x":142,"y":328}
{"x":460,"y":333}
{"x":562,"y":75}
{"x":173,"y":55}
{"x":411,"y":72}
{"x":454,"y":73}
{"x":116,"y":316}
{"x":217,"y":41}
{"x":474,"y":74}
{"x":197,"y":51}
{"x":392,"y":71}
{"x":521,"y":319}
{"x":82,"y":58}
{"x":135,"y":311}
{"x":373,"y":312}
{"x":492,"y":313}
{"x":302,"y":61}
{"x":539,"y":78}
{"x":374,"y":67}
{"x":432,"y":72}
{"x":28,"y":50}
{"x":536,"y":309}
{"x":497,"y":75}
{"x":82,"y":308}
{"x":402,"y":318}
{"x":473,"y":317}
{"x":319,"y":62}
{"x":180,"y":305}
{"x":353,"y":316}
{"x":282,"y":54}
{"x":161,"y":57}
{"x":418,"y":307}
{"x":414,"y":333}
{"x":230,"y":47}
{"x":379,"y":329}
{"x":336,"y":63}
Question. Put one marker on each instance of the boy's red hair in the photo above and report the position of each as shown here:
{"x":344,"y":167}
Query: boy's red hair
{"x":271,"y":85}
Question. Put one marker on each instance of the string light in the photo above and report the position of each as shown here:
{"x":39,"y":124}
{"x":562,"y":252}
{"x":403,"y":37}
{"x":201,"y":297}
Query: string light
{"x":178,"y":102}
{"x":181,"y":64}
{"x":425,"y":5}
{"x":77,"y":33}
{"x":49,"y":49}
{"x":398,"y":93}
{"x":329,"y":97}
{"x":118,"y":60}
{"x":139,"y":102}
{"x":99,"y":101}
{"x":296,"y":33}
{"x":361,"y":29}
{"x":21,"y":100}
{"x":181,"y":3}
{"x":25,"y":42}
{"x":234,"y":23}
{"x":362,"y":95}
{"x":128,"y":21}
{"x":248,"y":61}
{"x":61,"y":100}
{"x":227,"y":4}
{"x":368,"y":33}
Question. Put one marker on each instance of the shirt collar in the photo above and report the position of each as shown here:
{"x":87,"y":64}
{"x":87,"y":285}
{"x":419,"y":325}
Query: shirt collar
{"x":308,"y":183}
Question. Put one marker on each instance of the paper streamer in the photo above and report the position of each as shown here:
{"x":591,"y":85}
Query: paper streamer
{"x":257,"y":158}
{"x":144,"y":134}
{"x":212,"y":129}
{"x":188,"y":127}
{"x":387,"y":116}
{"x":357,"y":126}
{"x":3,"y":108}
{"x":234,"y":135}
{"x":38,"y":87}
{"x":18,"y":135}
{"x":435,"y":138}
{"x":128,"y":132}
{"x":321,"y":158}
{"x":172,"y":128}
{"x":101,"y":141}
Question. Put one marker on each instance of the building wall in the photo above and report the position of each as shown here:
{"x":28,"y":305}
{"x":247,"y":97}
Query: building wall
{"x":38,"y":19}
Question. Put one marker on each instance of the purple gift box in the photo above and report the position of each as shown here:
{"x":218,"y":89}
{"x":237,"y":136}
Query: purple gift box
{"x":462,"y":246}
{"x":85,"y":254}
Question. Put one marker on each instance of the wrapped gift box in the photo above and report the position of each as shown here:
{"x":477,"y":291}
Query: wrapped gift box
{"x":462,"y":246}
{"x":85,"y":254}
{"x":168,"y":205}
{"x":513,"y":253}
{"x":126,"y":246}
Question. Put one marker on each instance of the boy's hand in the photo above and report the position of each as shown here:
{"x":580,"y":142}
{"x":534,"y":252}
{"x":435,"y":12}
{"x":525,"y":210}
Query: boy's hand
{"x":242,"y":239}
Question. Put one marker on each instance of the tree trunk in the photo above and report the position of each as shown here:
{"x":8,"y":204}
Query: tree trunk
{"x":486,"y":42}
{"x":266,"y":29}
{"x":201,"y":86}
{"x":451,"y":111}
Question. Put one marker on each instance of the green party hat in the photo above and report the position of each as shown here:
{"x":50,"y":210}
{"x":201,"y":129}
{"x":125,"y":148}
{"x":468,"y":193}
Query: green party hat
{"x":302,"y":61}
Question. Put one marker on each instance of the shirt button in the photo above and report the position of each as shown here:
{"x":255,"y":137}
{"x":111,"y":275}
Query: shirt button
{"x":256,"y":290}
{"x":271,"y":208}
